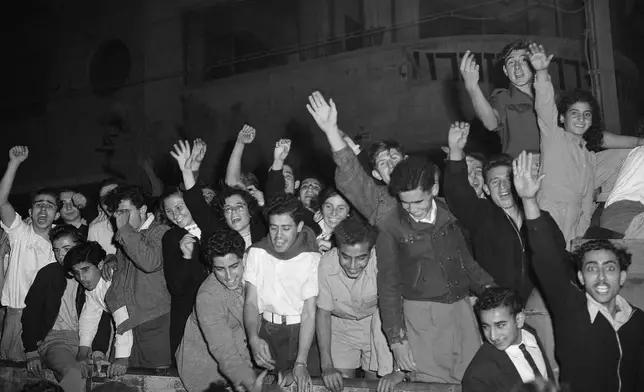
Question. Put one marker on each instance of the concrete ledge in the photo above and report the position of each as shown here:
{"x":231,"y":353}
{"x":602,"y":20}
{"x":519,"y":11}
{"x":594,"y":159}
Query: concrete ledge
{"x":13,"y":376}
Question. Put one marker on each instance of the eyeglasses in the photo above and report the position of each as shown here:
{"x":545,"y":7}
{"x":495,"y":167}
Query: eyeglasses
{"x":239,"y":208}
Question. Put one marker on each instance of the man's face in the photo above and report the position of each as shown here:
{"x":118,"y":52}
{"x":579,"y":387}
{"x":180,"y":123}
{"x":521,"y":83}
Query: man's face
{"x":475,"y":175}
{"x":283,"y":231}
{"x":208,"y":194}
{"x":386,"y":161}
{"x":137,"y":215}
{"x":236,"y":213}
{"x":517,"y":68}
{"x":69,"y":212}
{"x":87,"y":274}
{"x":500,"y":328}
{"x":103,"y":192}
{"x":499,"y":186}
{"x":418,"y":202}
{"x":177,"y":212}
{"x":578,"y":118}
{"x":229,"y":270}
{"x":61,"y":246}
{"x":309,"y":191}
{"x":44,"y":211}
{"x":601,"y":276}
{"x":354,"y":258}
{"x":289,"y":180}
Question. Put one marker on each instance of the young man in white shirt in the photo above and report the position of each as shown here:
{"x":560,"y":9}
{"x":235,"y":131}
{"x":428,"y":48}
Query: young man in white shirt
{"x":281,"y":288}
{"x":30,"y":251}
{"x":85,"y":262}
{"x":512,"y":354}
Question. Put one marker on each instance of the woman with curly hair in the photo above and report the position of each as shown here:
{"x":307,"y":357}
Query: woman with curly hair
{"x":242,"y":213}
{"x":571,"y":135}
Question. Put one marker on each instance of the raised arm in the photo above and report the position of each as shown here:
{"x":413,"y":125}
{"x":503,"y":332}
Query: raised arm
{"x":461,"y":197}
{"x":613,"y":141}
{"x":17,"y":155}
{"x":549,"y":255}
{"x":544,"y":93}
{"x":482,"y":108}
{"x":275,"y":182}
{"x":233,"y":171}
{"x":371,"y":199}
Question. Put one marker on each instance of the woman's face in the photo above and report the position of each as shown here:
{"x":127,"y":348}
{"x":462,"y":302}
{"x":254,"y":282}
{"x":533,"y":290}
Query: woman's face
{"x":236,"y":213}
{"x":176,"y":211}
{"x":334,"y":210}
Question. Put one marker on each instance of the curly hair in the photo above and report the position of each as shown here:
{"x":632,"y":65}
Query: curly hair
{"x":412,"y":173}
{"x":496,"y":160}
{"x":496,"y":297}
{"x":623,"y":256}
{"x":88,"y":252}
{"x":594,"y":136}
{"x":355,"y":230}
{"x":223,"y":242}
{"x":285,"y":204}
{"x":380,"y":146}
{"x":133,"y":193}
{"x":227,"y":191}
{"x":66,"y":231}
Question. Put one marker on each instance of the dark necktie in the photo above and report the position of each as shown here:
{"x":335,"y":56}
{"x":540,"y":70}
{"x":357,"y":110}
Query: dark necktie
{"x":528,"y":357}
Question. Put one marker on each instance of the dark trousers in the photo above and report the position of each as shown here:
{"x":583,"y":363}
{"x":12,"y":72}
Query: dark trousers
{"x":151,"y":347}
{"x":283,"y":341}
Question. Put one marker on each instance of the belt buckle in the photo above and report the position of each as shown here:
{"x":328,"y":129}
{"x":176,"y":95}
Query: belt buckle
{"x":283,"y":320}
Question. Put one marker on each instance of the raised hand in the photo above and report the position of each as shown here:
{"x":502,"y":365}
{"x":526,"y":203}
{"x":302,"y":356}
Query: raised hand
{"x":282,"y":148}
{"x":458,"y":133}
{"x":246,"y":135}
{"x":469,"y":70}
{"x":181,"y":153}
{"x":79,"y":200}
{"x":199,"y":148}
{"x":257,"y":194}
{"x":325,"y":114}
{"x":18,"y":154}
{"x":122,"y":218}
{"x":538,"y":57}
{"x":525,"y":182}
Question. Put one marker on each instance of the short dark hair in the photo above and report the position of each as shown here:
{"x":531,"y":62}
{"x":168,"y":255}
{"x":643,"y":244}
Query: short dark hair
{"x":380,"y":146}
{"x":133,"y":193}
{"x":170,"y":191}
{"x":519,"y":44}
{"x":412,"y":173}
{"x":477,"y":156}
{"x":221,"y":243}
{"x":355,"y":230}
{"x":249,"y":179}
{"x":594,"y":136}
{"x":328,"y":193}
{"x":623,"y":256}
{"x":88,"y":252}
{"x":46,"y":191}
{"x":42,"y":386}
{"x":228,"y":191}
{"x":285,"y":204}
{"x":496,"y":160}
{"x":66,"y":231}
{"x":497,"y":297}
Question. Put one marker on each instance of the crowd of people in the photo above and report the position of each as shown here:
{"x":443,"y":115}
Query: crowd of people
{"x":375,"y":276}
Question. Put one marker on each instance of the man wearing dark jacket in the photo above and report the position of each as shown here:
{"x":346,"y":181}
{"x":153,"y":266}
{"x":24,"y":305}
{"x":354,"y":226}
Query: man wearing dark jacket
{"x":512,"y":354}
{"x":50,"y":319}
{"x":600,"y":336}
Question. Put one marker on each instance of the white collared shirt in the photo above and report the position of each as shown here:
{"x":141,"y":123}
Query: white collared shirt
{"x":521,"y":363}
{"x":101,"y":231}
{"x":29,"y":253}
{"x":624,"y":311}
{"x":91,"y":317}
{"x":432,"y":215}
